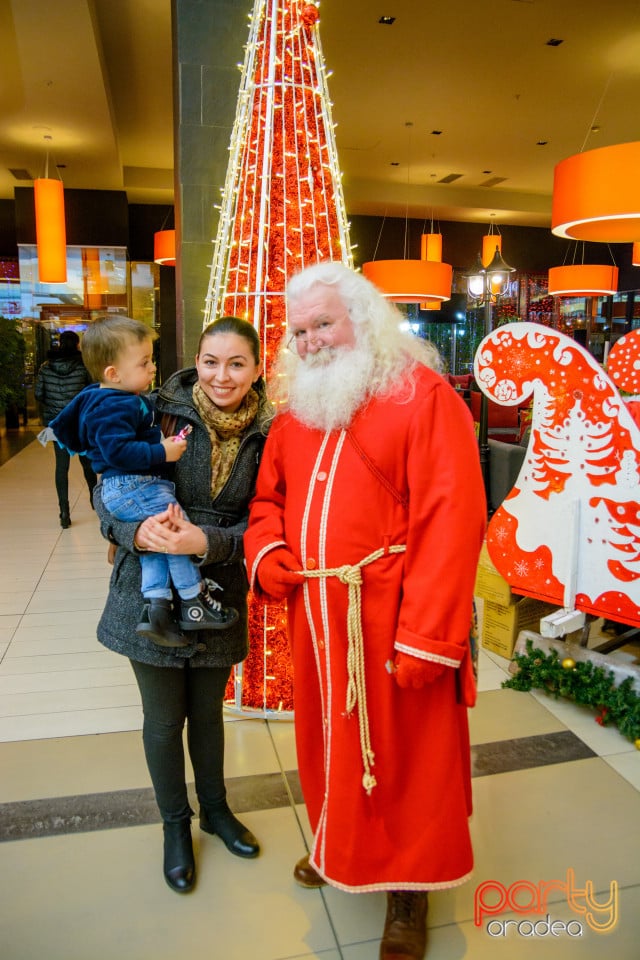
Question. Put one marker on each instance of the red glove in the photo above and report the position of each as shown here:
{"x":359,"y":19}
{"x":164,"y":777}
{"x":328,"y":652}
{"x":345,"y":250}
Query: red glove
{"x":412,"y":672}
{"x":277,"y":573}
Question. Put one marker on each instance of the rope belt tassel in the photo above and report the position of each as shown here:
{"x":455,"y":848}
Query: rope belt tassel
{"x":351,"y":576}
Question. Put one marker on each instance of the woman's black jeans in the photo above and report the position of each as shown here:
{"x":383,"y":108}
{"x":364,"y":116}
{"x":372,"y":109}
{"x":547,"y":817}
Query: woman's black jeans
{"x":171,"y":696}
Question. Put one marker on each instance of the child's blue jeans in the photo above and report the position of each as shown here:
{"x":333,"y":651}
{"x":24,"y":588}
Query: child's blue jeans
{"x":134,"y":497}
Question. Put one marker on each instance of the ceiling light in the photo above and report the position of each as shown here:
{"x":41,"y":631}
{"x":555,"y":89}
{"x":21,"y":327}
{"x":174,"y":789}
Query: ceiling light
{"x":387,"y":21}
{"x":413,"y":281}
{"x":583,"y":280}
{"x":491,"y":245}
{"x":51,"y":237}
{"x":431,"y":249}
{"x":410,"y":281}
{"x":51,"y":234}
{"x":164,"y":248}
{"x":596,"y":195}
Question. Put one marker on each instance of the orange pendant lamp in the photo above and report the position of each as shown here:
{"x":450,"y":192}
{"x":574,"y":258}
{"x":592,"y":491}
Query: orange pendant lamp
{"x":596,"y":195}
{"x":431,"y":249}
{"x":583,"y":280}
{"x":414,"y":281}
{"x":164,"y":248}
{"x":51,"y":234}
{"x":635,"y":254}
{"x":410,"y":281}
{"x":491,"y":244}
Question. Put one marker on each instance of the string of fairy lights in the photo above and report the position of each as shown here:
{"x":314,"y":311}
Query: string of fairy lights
{"x":282,"y":209}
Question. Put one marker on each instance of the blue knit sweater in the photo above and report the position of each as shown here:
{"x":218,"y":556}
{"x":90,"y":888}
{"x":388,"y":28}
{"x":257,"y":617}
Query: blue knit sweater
{"x":115,"y":429}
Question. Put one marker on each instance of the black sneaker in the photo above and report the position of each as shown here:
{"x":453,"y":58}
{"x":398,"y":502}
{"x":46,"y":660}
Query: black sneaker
{"x":205,"y":613}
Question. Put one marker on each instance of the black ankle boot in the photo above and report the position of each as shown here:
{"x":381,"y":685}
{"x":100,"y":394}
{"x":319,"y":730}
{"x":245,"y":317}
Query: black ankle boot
{"x":65,"y":518}
{"x":235,"y":836}
{"x":179,"y":865}
{"x":158,"y":624}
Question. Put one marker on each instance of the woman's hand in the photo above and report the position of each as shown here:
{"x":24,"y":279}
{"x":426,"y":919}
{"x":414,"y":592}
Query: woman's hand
{"x":169,"y":532}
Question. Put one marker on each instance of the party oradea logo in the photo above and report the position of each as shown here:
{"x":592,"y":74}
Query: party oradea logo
{"x":531,"y":901}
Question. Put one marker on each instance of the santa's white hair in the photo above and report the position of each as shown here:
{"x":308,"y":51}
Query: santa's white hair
{"x":325,"y":390}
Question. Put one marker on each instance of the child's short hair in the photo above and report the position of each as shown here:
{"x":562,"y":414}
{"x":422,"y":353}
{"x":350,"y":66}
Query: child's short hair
{"x":106,"y":337}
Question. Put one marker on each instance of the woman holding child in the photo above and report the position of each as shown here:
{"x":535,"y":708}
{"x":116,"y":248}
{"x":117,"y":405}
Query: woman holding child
{"x":223,"y":400}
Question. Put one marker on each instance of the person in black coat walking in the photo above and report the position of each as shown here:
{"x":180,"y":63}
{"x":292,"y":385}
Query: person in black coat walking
{"x":59,"y":379}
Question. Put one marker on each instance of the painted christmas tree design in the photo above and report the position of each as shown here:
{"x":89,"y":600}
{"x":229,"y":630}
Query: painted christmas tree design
{"x":574,"y":454}
{"x":282,"y":209}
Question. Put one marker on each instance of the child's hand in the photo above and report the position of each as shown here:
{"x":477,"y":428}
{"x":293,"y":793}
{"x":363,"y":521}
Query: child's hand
{"x":173,"y":448}
{"x":175,"y":514}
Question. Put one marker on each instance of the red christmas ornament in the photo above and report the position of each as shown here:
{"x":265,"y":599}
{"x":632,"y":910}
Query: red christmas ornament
{"x":310,"y":14}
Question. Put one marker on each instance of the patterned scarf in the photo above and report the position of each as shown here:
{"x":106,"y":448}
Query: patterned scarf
{"x":225,"y":432}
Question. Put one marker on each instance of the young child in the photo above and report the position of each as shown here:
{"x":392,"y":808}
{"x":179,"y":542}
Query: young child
{"x":112,"y":423}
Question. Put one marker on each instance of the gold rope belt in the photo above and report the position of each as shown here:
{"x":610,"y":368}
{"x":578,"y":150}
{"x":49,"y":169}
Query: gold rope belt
{"x":356,"y":687}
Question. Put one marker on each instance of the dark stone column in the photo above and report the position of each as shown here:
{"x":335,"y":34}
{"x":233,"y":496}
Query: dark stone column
{"x":208,"y":43}
{"x":166,"y":353}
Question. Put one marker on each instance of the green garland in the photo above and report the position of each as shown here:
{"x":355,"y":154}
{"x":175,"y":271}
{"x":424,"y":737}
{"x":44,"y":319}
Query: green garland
{"x":583,"y":683}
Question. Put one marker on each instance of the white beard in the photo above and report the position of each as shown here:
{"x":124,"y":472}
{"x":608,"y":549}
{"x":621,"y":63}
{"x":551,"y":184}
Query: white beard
{"x":327,"y":388}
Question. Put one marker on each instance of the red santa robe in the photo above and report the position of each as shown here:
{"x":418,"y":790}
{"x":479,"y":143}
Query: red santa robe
{"x":405,"y":473}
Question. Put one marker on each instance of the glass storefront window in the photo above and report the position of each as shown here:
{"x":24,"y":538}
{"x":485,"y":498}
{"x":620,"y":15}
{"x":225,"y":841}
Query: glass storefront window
{"x":143,"y":287}
{"x":99,"y":280}
{"x":96,"y":280}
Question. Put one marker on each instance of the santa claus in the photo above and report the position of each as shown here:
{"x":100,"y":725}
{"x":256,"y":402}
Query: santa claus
{"x":368,"y":518}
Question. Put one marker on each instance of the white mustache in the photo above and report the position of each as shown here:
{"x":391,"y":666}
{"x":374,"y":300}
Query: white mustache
{"x":322,"y":358}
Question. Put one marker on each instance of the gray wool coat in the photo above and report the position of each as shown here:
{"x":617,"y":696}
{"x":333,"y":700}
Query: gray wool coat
{"x":223,"y":520}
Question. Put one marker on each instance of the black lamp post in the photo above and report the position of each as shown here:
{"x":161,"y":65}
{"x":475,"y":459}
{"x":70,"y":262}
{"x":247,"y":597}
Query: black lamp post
{"x":485,"y":285}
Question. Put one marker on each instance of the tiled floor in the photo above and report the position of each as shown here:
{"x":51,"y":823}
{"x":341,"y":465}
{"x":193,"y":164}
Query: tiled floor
{"x":80,"y":865}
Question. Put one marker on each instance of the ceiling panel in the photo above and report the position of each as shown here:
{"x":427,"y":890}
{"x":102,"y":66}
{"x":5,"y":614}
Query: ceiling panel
{"x":96,"y":75}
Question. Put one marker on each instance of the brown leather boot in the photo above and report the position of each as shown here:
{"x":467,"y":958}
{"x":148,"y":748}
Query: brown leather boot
{"x":405,"y":926}
{"x":306,"y":876}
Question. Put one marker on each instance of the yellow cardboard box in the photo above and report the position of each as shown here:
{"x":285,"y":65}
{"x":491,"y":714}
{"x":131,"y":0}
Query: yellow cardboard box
{"x":502,"y":624}
{"x":490,"y":585}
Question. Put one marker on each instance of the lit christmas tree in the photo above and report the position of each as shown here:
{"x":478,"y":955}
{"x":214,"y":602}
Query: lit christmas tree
{"x":282,"y":209}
